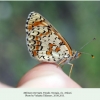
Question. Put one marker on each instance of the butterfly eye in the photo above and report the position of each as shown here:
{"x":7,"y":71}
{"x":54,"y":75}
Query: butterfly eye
{"x":79,"y":54}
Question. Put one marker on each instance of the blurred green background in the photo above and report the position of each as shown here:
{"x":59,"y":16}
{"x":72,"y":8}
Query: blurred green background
{"x":78,"y":22}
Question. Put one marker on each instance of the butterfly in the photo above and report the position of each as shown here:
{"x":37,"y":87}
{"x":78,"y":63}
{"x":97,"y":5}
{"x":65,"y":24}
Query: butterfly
{"x":46,"y":44}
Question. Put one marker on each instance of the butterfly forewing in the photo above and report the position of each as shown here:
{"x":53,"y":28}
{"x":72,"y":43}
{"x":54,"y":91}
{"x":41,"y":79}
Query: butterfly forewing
{"x":43,"y":41}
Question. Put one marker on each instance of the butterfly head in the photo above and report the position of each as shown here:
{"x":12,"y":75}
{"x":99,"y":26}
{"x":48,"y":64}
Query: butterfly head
{"x":75,"y":54}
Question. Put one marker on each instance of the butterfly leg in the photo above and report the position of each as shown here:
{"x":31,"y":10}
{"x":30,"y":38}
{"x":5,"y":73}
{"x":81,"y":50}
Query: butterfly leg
{"x":62,"y":62}
{"x":70,"y":69}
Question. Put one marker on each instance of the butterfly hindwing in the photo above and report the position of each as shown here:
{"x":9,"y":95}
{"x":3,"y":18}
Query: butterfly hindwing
{"x":43,"y":41}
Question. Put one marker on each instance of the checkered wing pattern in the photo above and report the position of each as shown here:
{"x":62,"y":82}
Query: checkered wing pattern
{"x":44,"y":42}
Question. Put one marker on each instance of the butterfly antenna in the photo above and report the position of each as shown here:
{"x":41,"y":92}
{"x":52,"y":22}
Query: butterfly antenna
{"x":87,"y":43}
{"x":87,"y":54}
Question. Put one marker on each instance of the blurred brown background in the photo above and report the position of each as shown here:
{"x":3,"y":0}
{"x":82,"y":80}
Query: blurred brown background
{"x":78,"y":22}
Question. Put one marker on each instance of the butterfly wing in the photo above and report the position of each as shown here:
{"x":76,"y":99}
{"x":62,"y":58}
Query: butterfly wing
{"x":43,"y":41}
